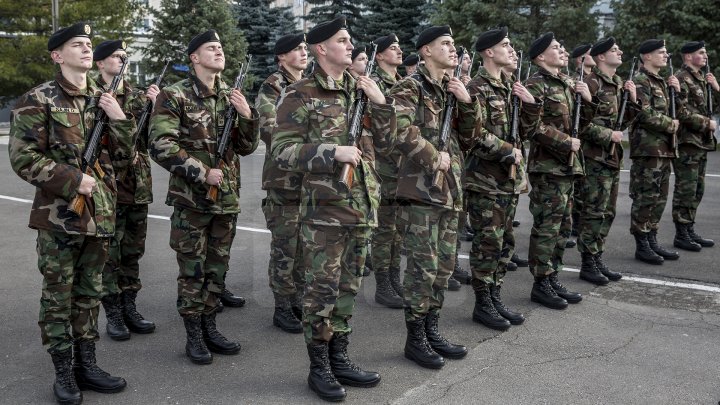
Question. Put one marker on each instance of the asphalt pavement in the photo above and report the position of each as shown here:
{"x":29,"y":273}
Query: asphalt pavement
{"x":651,"y":338}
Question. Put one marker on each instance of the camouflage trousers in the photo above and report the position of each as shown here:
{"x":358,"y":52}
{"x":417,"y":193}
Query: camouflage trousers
{"x":122,"y":270}
{"x":491,"y":217}
{"x":386,"y":241}
{"x":286,"y":273}
{"x":689,"y":189}
{"x":335,"y":259}
{"x":71,"y":266}
{"x":599,"y":196}
{"x":430,"y":235}
{"x":551,"y":210}
{"x":649,"y":185}
{"x":202,"y":242}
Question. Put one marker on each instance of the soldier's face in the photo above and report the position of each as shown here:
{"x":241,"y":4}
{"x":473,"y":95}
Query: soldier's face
{"x":411,"y":69}
{"x":613,"y":57}
{"x":111,"y":65}
{"x":698,"y":58}
{"x":359,"y":64}
{"x":657,"y":58}
{"x":554,"y":56}
{"x":503,"y":54}
{"x":338,"y":49}
{"x":589,"y":61}
{"x":442,"y":51}
{"x":297,"y":58}
{"x":392,"y":55}
{"x":75,"y":54}
{"x":209,"y":56}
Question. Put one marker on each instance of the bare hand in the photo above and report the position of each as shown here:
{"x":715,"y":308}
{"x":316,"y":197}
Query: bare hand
{"x":348,"y":154}
{"x":520,"y":91}
{"x":238,"y":101}
{"x":632,"y":89}
{"x":456,"y":87}
{"x":673,"y":82}
{"x":518,"y":155}
{"x":372,"y":91}
{"x":152,"y":92}
{"x":87,"y":185}
{"x":713,"y":125}
{"x":465,"y":79}
{"x":111,"y":107}
{"x":616,"y":136}
{"x":214,"y":177}
{"x":713,"y":81}
{"x":582,"y":88}
{"x":675,"y":126}
{"x":575,"y":144}
{"x":444,"y":162}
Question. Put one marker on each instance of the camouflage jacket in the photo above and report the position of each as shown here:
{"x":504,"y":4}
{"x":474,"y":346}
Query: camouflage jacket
{"x":387,"y":166}
{"x":420,"y":104}
{"x":650,"y":133}
{"x":597,"y":136}
{"x":185,"y":129}
{"x":696,"y":131}
{"x":548,"y":125}
{"x":487,"y":166}
{"x":272,"y":176}
{"x":50,"y":124}
{"x":313,"y":115}
{"x":135,"y":185}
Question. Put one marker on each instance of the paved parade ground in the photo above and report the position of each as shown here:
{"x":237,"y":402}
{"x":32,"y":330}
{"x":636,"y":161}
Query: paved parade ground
{"x":652,"y":338}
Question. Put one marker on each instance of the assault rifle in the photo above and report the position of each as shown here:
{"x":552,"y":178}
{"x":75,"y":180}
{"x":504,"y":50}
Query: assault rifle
{"x":148,"y":106}
{"x":92,"y":148}
{"x":673,"y":112}
{"x":515,"y":119}
{"x":709,"y":95}
{"x":623,"y":106}
{"x":576,"y":112}
{"x":230,"y":116}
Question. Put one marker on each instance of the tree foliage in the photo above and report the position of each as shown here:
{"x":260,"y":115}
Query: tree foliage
{"x":405,"y":18}
{"x":323,"y":10}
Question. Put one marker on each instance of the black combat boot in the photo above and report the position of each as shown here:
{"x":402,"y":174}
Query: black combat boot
{"x":321,"y":378}
{"x":438,"y":341}
{"x":570,"y":244}
{"x":384,"y":292}
{"x":133,"y":319}
{"x":368,"y":266}
{"x":611,"y":275}
{"x":655,"y":246}
{"x":515,"y":318}
{"x":395,"y":282}
{"x":65,"y":387}
{"x":570,"y":297}
{"x":453,"y":285}
{"x":87,"y":373}
{"x":195,"y":348}
{"x":460,"y":274}
{"x":484,"y":311}
{"x":231,"y":300}
{"x":215,"y":341}
{"x":219,"y":307}
{"x":466,"y":233}
{"x":643,"y":251}
{"x":589,"y":270}
{"x":516,"y":223}
{"x":544,"y":294}
{"x":297,"y":303}
{"x":511,"y":266}
{"x":519,"y":261}
{"x":347,"y":372}
{"x":115,"y":328}
{"x":284,"y":317}
{"x":683,"y":240}
{"x":417,"y":347}
{"x":704,"y":242}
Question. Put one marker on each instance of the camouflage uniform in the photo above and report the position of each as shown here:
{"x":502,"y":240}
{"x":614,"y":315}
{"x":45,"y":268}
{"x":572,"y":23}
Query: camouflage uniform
{"x":695,"y":140}
{"x":185,"y":127}
{"x":47,"y":138}
{"x":492,"y":196}
{"x":602,"y":171}
{"x":282,"y":204}
{"x":548,"y":125}
{"x":428,"y":220}
{"x":386,"y":240}
{"x":312,"y":120}
{"x":122,"y":270}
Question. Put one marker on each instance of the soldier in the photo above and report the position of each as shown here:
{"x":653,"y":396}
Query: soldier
{"x":696,"y":137}
{"x":359,"y":62}
{"x":184,"y":133}
{"x":311,"y":137}
{"x":652,"y":149}
{"x":121,"y":276}
{"x":385,"y":252}
{"x":602,"y":170}
{"x":282,"y":204}
{"x":427,"y":218}
{"x":554,"y":161}
{"x":577,"y":55}
{"x":492,"y":194}
{"x":411,"y":64}
{"x":47,"y":136}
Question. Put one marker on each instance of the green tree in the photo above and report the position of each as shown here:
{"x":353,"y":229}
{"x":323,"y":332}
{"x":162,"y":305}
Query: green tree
{"x":24,"y":60}
{"x":178,"y":21}
{"x":323,"y":10}
{"x":406,"y":18}
{"x":263,"y":26}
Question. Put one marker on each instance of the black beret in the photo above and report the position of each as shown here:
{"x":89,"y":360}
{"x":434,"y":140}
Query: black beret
{"x":384,"y":43}
{"x":411,"y":60}
{"x":357,"y":51}
{"x":602,"y":46}
{"x":488,"y":39}
{"x":63,"y":35}
{"x":207,"y":36}
{"x":693,"y":46}
{"x":651,"y":45}
{"x":580,"y":50}
{"x":430,"y":34}
{"x":287,"y":43}
{"x":107,"y":48}
{"x":539,"y":45}
{"x":325,"y":30}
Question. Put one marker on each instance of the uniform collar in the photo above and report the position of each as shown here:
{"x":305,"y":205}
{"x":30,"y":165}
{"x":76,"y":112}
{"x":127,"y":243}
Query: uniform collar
{"x":202,"y":91}
{"x":328,"y":83}
{"x":91,"y":89}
